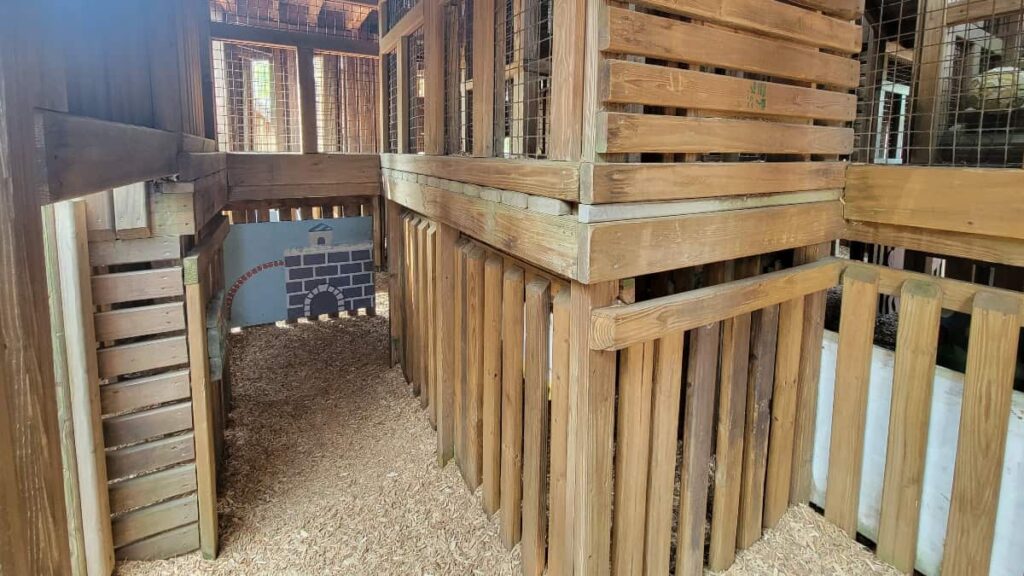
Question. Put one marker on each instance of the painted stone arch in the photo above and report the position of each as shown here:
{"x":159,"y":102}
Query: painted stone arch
{"x":321,"y":289}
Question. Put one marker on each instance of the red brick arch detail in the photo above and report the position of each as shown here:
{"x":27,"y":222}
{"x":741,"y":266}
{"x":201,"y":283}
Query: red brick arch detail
{"x":230,"y":296}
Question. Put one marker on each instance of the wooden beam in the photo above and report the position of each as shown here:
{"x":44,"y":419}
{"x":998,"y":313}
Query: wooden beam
{"x":616,"y":327}
{"x":82,"y":155}
{"x":434,"y":75}
{"x":1008,"y":251}
{"x":412,"y":20}
{"x":307,"y":100}
{"x":288,"y":38}
{"x":202,"y":418}
{"x":483,"y":77}
{"x":538,"y":177}
{"x":294,"y":169}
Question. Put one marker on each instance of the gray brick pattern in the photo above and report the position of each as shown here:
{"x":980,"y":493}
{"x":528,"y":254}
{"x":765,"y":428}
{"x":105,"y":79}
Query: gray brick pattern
{"x":346,"y":272}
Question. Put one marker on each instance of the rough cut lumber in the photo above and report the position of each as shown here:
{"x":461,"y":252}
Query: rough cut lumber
{"x":626,"y":82}
{"x":142,"y":356}
{"x":853,"y":370}
{"x":492,"y":384}
{"x":984,"y":419}
{"x":934,"y":198}
{"x":1008,"y":251}
{"x":537,"y":318}
{"x":145,"y":522}
{"x":108,"y":253}
{"x":622,"y":132}
{"x":85,"y":155}
{"x":148,"y":456}
{"x":139,"y":321}
{"x":616,"y":327}
{"x":131,"y":395}
{"x":637,"y":182}
{"x":559,"y":556}
{"x":151,"y":488}
{"x":141,"y":285}
{"x":540,"y":177}
{"x":640,"y":34}
{"x":513,"y":297}
{"x":131,"y":211}
{"x":138,"y":426}
{"x":917,"y":339}
{"x":290,"y":39}
{"x":164,"y":545}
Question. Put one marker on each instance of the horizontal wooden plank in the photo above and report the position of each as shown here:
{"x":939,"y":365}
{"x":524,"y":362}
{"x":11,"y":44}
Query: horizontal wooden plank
{"x":625,"y":82}
{"x":629,"y":32}
{"x":538,"y":177}
{"x":80,"y":155}
{"x":771,"y":19}
{"x":140,"y":285}
{"x":131,"y":395}
{"x":241,"y":194}
{"x":617,"y":327}
{"x":155,"y":248}
{"x":169,"y":544}
{"x":548,"y":242}
{"x":142,"y":356}
{"x":289,"y":38}
{"x":614,"y":250}
{"x":273,"y":169}
{"x":152,"y":488}
{"x":849,"y":9}
{"x":589,"y":213}
{"x":1008,"y":251}
{"x":622,"y":132}
{"x":140,"y":321}
{"x":145,"y":522}
{"x":175,"y":214}
{"x":637,"y":182}
{"x":139,"y":426}
{"x":971,"y":200}
{"x":968,"y":11}
{"x":195,"y":165}
{"x":148,"y":456}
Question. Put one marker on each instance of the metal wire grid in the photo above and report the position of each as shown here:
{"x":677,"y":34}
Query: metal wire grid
{"x":346,"y":103}
{"x":521,"y":113}
{"x":415,"y":66}
{"x":340,"y":18}
{"x":942,"y":84}
{"x":396,"y":9}
{"x":458,"y":77}
{"x":391,"y":78}
{"x":257,"y":97}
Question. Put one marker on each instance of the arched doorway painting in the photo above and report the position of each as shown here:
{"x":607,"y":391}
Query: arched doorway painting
{"x":324,"y":299}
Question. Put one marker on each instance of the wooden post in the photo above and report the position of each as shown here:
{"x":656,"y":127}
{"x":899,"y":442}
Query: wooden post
{"x":535,"y":425}
{"x":433,"y":61}
{"x":559,"y":557}
{"x":567,"y":79}
{"x":492,"y":383}
{"x":483,"y":77}
{"x":402,"y":94}
{"x":512,"y":405}
{"x":307,"y":100}
{"x":445,"y":276}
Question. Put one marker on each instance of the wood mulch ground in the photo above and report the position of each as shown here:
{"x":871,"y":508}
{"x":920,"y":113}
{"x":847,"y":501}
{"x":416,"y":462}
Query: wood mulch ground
{"x":331,"y":470}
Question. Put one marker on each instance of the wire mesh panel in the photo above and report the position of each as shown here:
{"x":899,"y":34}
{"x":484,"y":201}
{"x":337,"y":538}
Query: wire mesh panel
{"x":397,"y":9}
{"x":458,"y":77}
{"x":523,"y":34}
{"x":391,"y":85}
{"x":943,"y":83}
{"x":339,"y":18}
{"x":346,"y":103}
{"x":416,"y":88}
{"x":257,"y":95}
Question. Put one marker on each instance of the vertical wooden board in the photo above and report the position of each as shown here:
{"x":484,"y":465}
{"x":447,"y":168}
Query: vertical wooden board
{"x":459,"y":359}
{"x":414,"y":304}
{"x":853,"y":370}
{"x":449,"y":343}
{"x":422,"y":314}
{"x":632,"y":457}
{"x":430,"y":246}
{"x":667,"y":393}
{"x":80,"y":345}
{"x":512,"y":296}
{"x":492,"y":384}
{"x":569,"y":19}
{"x":699,"y":408}
{"x":473,"y":397}
{"x":307,"y":100}
{"x":760,"y":376}
{"x":984,"y":419}
{"x":535,"y":425}
{"x":433,"y":57}
{"x":559,"y":557}
{"x":131,"y":212}
{"x":483,"y":77}
{"x":784,"y":399}
{"x":395,"y":259}
{"x":914,"y":371}
{"x":99,"y":208}
{"x":406,"y":302}
{"x":202,"y":419}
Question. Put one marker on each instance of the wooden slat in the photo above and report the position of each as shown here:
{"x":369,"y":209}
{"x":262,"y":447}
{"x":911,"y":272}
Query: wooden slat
{"x":770,"y":19}
{"x":624,"y":132}
{"x":761,"y":372}
{"x":202,"y":417}
{"x":474,"y":365}
{"x":1008,"y":251}
{"x":537,"y":319}
{"x":627,"y":82}
{"x":140,"y":321}
{"x":483,"y":78}
{"x":492,"y":384}
{"x":298,"y":169}
{"x":699,"y":409}
{"x":430,"y":260}
{"x":151,"y":488}
{"x":141,"y":285}
{"x":641,"y":34}
{"x":449,"y":343}
{"x":164,"y":545}
{"x":984,"y":419}
{"x":849,"y":9}
{"x":138,"y":426}
{"x":124,"y":462}
{"x":559,"y":555}
{"x":142,"y":356}
{"x":632,"y":457}
{"x":917,"y":339}
{"x":131,"y":395}
{"x":421,"y":383}
{"x":636,"y":182}
{"x":784,"y":404}
{"x":107,"y":253}
{"x":618,"y":326}
{"x":131,"y":211}
{"x":307,"y":100}
{"x":853,"y":370}
{"x":459,"y":380}
{"x":434,"y":53}
{"x":538,"y":177}
{"x":613,"y":250}
{"x":973,"y":10}
{"x":512,"y":318}
{"x":139,"y":524}
{"x":567,"y":79}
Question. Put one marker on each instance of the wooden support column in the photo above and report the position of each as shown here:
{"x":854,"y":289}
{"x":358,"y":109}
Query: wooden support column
{"x":567,"y":79}
{"x":433,"y":55}
{"x":445,"y":277}
{"x":591,"y":430}
{"x":483,"y":77}
{"x":402,"y":95}
{"x":307,"y":101}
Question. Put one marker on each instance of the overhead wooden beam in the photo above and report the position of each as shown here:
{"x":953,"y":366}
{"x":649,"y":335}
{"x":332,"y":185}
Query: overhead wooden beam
{"x":80,"y":155}
{"x":288,"y":38}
